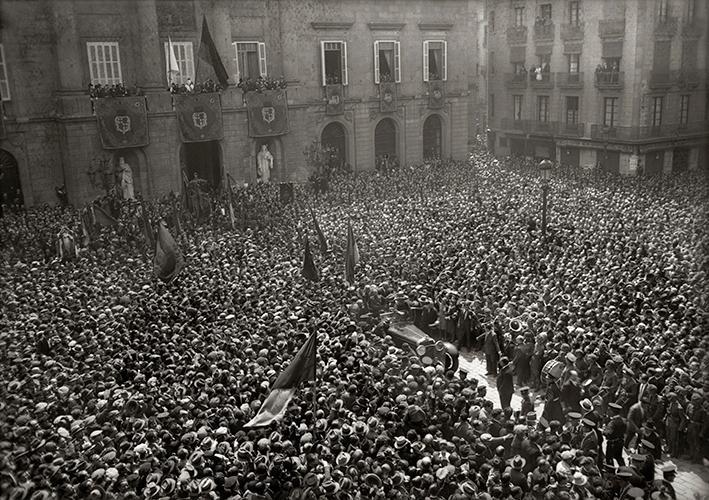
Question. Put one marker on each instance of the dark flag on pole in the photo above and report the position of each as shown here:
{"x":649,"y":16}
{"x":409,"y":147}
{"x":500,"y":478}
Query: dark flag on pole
{"x":208,"y":55}
{"x":309,"y":270}
{"x":321,"y":236}
{"x":168,"y":260}
{"x":300,"y":369}
{"x":351,"y":255}
{"x":146,"y":227}
{"x":102,"y":218}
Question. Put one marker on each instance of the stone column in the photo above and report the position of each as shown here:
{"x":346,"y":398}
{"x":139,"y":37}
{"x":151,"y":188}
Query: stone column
{"x":150,"y":67}
{"x":70,"y":52}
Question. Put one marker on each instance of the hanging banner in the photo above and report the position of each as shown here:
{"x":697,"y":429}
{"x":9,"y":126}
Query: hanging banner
{"x":268,"y":113}
{"x":122,"y":122}
{"x":436,"y":94}
{"x":387,"y":97}
{"x":335,"y":95}
{"x":199,"y":116}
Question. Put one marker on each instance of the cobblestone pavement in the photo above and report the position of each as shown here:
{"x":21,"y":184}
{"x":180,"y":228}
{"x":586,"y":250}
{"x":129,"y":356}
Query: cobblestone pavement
{"x":692,"y":479}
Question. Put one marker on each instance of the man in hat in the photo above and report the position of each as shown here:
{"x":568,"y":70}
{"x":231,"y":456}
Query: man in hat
{"x":615,"y":433}
{"x":589,"y":441}
{"x":491,"y":347}
{"x":696,"y":425}
{"x":636,"y":418}
{"x":571,"y":392}
{"x":669,"y":473}
{"x":674,"y":421}
{"x":527,"y":403}
{"x":505,"y":382}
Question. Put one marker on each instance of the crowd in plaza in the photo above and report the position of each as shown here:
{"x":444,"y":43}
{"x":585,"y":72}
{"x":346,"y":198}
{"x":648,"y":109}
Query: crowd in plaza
{"x":116,"y":385}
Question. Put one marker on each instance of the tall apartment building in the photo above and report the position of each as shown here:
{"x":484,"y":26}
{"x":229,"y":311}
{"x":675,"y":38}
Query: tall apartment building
{"x":617,"y":84}
{"x":367,"y":78}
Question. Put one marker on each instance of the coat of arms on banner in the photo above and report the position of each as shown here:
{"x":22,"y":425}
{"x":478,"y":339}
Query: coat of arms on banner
{"x":122,"y":123}
{"x":268,"y":114}
{"x":199,"y":118}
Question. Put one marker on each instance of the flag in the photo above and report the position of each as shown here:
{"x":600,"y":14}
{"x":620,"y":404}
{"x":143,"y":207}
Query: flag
{"x":351,"y":255}
{"x":85,"y":236}
{"x":309,"y":270}
{"x":173,"y":69}
{"x":186,"y":202}
{"x":168,"y":260}
{"x":102,"y":218}
{"x":146,"y":227}
{"x":300,"y":369}
{"x":231,"y":206}
{"x":208,"y":55}
{"x":321,"y":236}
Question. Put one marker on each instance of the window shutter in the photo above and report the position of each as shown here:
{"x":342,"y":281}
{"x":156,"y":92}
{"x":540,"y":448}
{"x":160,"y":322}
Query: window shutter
{"x":263,"y":70}
{"x":322,"y":62}
{"x":425,"y":61}
{"x":376,"y":62}
{"x":445,"y":60}
{"x":343,"y":47}
{"x":189,"y":60}
{"x":397,"y":62}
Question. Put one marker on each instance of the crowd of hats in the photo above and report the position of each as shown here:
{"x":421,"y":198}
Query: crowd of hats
{"x":113,"y":385}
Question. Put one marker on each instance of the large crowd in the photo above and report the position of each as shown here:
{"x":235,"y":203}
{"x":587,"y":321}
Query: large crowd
{"x":114,"y":385}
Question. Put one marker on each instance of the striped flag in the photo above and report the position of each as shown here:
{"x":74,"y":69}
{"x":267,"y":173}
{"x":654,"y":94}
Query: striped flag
{"x":168,"y":261}
{"x":309,"y":270}
{"x":300,"y":369}
{"x":351,"y":255}
{"x":173,"y":68}
{"x":321,"y":236}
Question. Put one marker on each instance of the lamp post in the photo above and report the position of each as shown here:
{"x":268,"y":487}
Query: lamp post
{"x":545,"y":167}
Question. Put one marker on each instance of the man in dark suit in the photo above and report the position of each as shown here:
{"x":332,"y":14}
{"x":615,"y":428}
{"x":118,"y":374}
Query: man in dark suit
{"x":505,"y":382}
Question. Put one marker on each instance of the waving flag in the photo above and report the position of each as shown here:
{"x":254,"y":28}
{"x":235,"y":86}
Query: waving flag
{"x":101,"y":217}
{"x":173,"y":69}
{"x":300,"y":369}
{"x":321,"y":236}
{"x":209,"y":56}
{"x":351,"y":255}
{"x":309,"y":270}
{"x":168,"y":260}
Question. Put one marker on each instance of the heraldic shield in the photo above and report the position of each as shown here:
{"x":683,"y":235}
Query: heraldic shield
{"x":122,"y":122}
{"x":436,"y":94}
{"x":335,"y":95}
{"x":268,"y":113}
{"x":387,"y":97}
{"x":199,"y":116}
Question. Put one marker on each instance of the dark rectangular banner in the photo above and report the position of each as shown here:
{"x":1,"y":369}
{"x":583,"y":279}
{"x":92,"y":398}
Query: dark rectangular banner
{"x":436,"y":94}
{"x":199,"y":116}
{"x":387,"y":97}
{"x":268,"y":113}
{"x":335,"y":94}
{"x":122,"y":122}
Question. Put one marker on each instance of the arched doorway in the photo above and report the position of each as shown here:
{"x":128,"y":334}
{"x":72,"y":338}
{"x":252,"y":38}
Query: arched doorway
{"x":10,"y":188}
{"x":385,"y":142}
{"x":334,"y":139}
{"x":432,"y":138}
{"x":203,"y":159}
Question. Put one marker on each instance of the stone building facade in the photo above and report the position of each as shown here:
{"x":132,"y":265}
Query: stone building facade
{"x":53,"y":49}
{"x":623,"y":83}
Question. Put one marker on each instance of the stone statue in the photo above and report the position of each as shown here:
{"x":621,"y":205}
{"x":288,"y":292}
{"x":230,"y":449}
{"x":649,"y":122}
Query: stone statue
{"x":264,"y":160}
{"x":126,"y":179}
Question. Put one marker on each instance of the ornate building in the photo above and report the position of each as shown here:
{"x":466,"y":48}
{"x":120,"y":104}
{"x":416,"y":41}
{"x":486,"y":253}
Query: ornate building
{"x":370,"y":80}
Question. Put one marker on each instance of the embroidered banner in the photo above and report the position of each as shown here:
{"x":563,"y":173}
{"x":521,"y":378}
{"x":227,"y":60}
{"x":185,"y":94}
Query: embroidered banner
{"x":436,"y":94}
{"x":387,"y":97}
{"x":335,"y":95}
{"x":122,"y":122}
{"x":268,"y":113}
{"x":199,"y":116}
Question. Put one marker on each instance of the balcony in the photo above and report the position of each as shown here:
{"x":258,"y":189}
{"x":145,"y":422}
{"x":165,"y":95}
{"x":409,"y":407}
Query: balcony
{"x":684,"y":79}
{"x":544,"y":31}
{"x":670,"y":131}
{"x":517,"y":35}
{"x":693,"y":28}
{"x":660,"y":80}
{"x":543,"y":80}
{"x":572,"y":129}
{"x":603,"y":132}
{"x":609,"y":80}
{"x":512,"y":124}
{"x":543,"y":127}
{"x":611,"y":28}
{"x":687,"y":78}
{"x":666,"y":27}
{"x":569,"y":80}
{"x":570,"y":32}
{"x":516,"y":80}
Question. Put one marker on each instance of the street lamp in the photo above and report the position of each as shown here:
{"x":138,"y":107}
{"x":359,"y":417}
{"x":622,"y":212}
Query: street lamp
{"x":545,"y":167}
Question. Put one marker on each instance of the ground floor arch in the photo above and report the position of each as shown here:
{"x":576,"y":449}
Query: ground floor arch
{"x":334,"y":139}
{"x":432,"y":137}
{"x":386,"y":139}
{"x":10,"y":185}
{"x":203,"y":159}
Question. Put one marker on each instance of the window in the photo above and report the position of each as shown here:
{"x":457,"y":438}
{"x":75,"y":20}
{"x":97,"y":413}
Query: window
{"x":684,"y":110}
{"x":250,"y":60}
{"x":492,"y":104}
{"x":4,"y":83}
{"x":657,"y":111}
{"x":491,"y":21}
{"x":574,"y":13}
{"x":663,"y":8}
{"x":519,"y":16}
{"x":104,"y":62}
{"x":610,"y":109}
{"x":491,"y":62}
{"x":185,"y":62}
{"x":543,"y":108}
{"x":387,"y":61}
{"x":517,"y":107}
{"x":572,"y":110}
{"x":545,"y":11}
{"x":434,"y":60}
{"x":333,"y":56}
{"x":691,"y":9}
{"x":573,"y":63}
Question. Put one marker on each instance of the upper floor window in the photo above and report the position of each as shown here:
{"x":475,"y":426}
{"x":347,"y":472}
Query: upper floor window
{"x":104,"y":63}
{"x":657,"y":111}
{"x":663,"y":10}
{"x":179,"y":64}
{"x":387,"y":61}
{"x":333,"y":57}
{"x":491,"y":21}
{"x":684,"y":110}
{"x":519,"y":16}
{"x":573,"y":63}
{"x":691,"y":9}
{"x":574,"y":13}
{"x":545,"y":11}
{"x":572,"y":110}
{"x":435,"y":60}
{"x":492,"y":104}
{"x":4,"y":83}
{"x":610,"y":111}
{"x":517,"y":107}
{"x":543,"y":108}
{"x":250,"y":60}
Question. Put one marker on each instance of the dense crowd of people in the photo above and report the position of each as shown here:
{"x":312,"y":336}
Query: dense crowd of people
{"x":115,"y":385}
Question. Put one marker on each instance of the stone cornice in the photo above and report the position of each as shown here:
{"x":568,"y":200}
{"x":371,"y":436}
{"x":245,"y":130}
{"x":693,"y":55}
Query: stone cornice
{"x":435,"y":26}
{"x":331,"y":25}
{"x":386,"y":26}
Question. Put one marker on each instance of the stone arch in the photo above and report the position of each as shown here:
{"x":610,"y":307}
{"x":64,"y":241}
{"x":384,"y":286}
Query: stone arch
{"x":11,"y":193}
{"x":205,"y":159}
{"x":335,"y":134}
{"x":387,"y":140}
{"x":444,"y":136}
